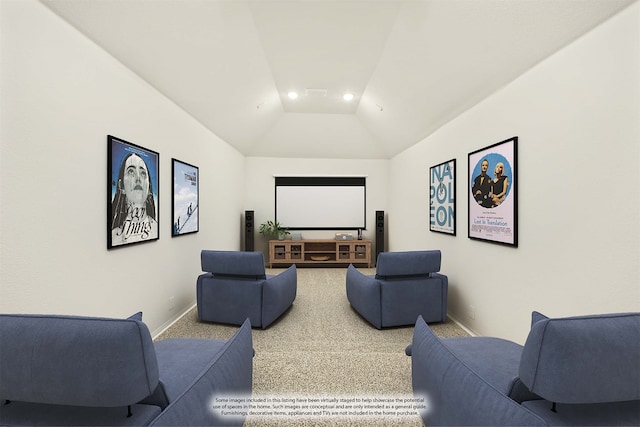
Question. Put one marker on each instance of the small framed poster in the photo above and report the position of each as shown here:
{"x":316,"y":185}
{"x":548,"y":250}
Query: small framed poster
{"x":185,"y":205}
{"x":442,"y":198}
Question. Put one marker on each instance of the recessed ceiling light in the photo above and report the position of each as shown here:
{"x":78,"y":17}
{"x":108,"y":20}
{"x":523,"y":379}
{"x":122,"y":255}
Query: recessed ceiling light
{"x":292,"y":95}
{"x":347,"y":96}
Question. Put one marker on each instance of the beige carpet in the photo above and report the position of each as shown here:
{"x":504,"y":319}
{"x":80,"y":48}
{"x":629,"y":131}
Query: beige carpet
{"x":321,"y":348}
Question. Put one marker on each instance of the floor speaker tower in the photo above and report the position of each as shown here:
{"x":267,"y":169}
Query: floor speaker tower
{"x":248,"y":231}
{"x":379,"y":233}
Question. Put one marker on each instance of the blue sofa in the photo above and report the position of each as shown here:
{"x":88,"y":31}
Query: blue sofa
{"x":574,"y":371}
{"x":406,"y":285}
{"x":235,"y":287}
{"x":87,"y":371}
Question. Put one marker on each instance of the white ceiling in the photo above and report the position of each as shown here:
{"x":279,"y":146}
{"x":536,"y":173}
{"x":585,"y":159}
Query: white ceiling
{"x":412,"y":65}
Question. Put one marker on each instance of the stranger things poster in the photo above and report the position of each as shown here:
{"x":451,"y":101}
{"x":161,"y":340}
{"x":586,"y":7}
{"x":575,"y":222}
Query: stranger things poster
{"x":442,"y":198}
{"x":493,"y":193}
{"x":132,"y":194}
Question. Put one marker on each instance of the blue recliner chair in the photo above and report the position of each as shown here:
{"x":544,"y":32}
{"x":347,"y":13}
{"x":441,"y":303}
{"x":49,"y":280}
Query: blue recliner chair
{"x":235,"y":287}
{"x":60,"y":370}
{"x":572,"y":371}
{"x":406,"y":285}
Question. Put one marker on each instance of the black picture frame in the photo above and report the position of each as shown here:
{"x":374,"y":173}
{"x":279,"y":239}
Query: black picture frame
{"x":185,"y":206}
{"x":442,"y":198}
{"x":493,"y":196}
{"x":133,"y":193}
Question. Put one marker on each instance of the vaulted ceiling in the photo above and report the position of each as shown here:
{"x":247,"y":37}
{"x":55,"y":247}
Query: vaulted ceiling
{"x":412,"y":66}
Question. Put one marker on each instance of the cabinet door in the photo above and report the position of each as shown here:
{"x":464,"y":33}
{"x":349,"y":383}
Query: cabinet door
{"x":345,"y":251}
{"x":360,"y":252}
{"x":279,"y":251}
{"x":295,"y":251}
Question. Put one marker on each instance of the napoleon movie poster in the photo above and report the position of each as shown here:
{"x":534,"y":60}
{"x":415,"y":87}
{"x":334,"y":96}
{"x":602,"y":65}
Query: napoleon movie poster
{"x":442,"y":198}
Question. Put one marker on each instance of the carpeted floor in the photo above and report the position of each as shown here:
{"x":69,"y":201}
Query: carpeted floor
{"x":321,"y":348}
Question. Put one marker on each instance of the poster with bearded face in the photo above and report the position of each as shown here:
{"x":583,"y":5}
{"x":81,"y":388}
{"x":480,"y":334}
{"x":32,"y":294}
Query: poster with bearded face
{"x":132,"y":205}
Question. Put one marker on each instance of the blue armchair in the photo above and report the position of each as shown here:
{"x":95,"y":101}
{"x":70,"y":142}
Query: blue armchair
{"x":89,"y":371}
{"x":406,"y":285}
{"x":235,"y":287}
{"x":574,"y":371}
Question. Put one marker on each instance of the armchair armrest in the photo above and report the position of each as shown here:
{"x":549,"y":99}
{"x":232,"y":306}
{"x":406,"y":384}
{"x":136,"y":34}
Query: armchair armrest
{"x":230,"y":373}
{"x":278,"y":293}
{"x":363,"y":293}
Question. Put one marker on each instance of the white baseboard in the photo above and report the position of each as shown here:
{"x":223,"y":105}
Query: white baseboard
{"x":170,"y":323}
{"x":467,"y":330}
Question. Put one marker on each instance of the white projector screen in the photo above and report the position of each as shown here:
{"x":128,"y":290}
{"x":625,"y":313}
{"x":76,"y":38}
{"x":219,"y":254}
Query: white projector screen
{"x":321,"y":203}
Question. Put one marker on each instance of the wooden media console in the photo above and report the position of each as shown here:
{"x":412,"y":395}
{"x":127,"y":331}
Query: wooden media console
{"x":320,"y":251}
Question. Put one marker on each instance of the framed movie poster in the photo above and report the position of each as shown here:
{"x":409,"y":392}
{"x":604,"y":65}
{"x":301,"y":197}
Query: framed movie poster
{"x":184,"y":198}
{"x":442,"y":198}
{"x":132,"y":193}
{"x":493,"y":193}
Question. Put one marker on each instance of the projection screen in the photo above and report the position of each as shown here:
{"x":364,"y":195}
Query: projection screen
{"x":321,"y":203}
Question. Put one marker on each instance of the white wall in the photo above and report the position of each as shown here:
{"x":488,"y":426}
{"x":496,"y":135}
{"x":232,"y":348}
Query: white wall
{"x":260,"y":189}
{"x":61,"y":96}
{"x":577,"y":118}
{"x":576,"y":115}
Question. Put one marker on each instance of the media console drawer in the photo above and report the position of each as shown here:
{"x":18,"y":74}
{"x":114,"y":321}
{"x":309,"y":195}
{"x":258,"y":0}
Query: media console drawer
{"x":302,"y":252}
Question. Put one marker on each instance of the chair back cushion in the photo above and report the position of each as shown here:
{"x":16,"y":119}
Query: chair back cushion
{"x":248,"y":265}
{"x":407,"y":264}
{"x":586,"y":359}
{"x":80,"y":361}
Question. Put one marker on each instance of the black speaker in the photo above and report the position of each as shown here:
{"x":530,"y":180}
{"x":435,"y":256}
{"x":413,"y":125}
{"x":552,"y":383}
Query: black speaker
{"x":379,"y":233}
{"x":248,"y":231}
